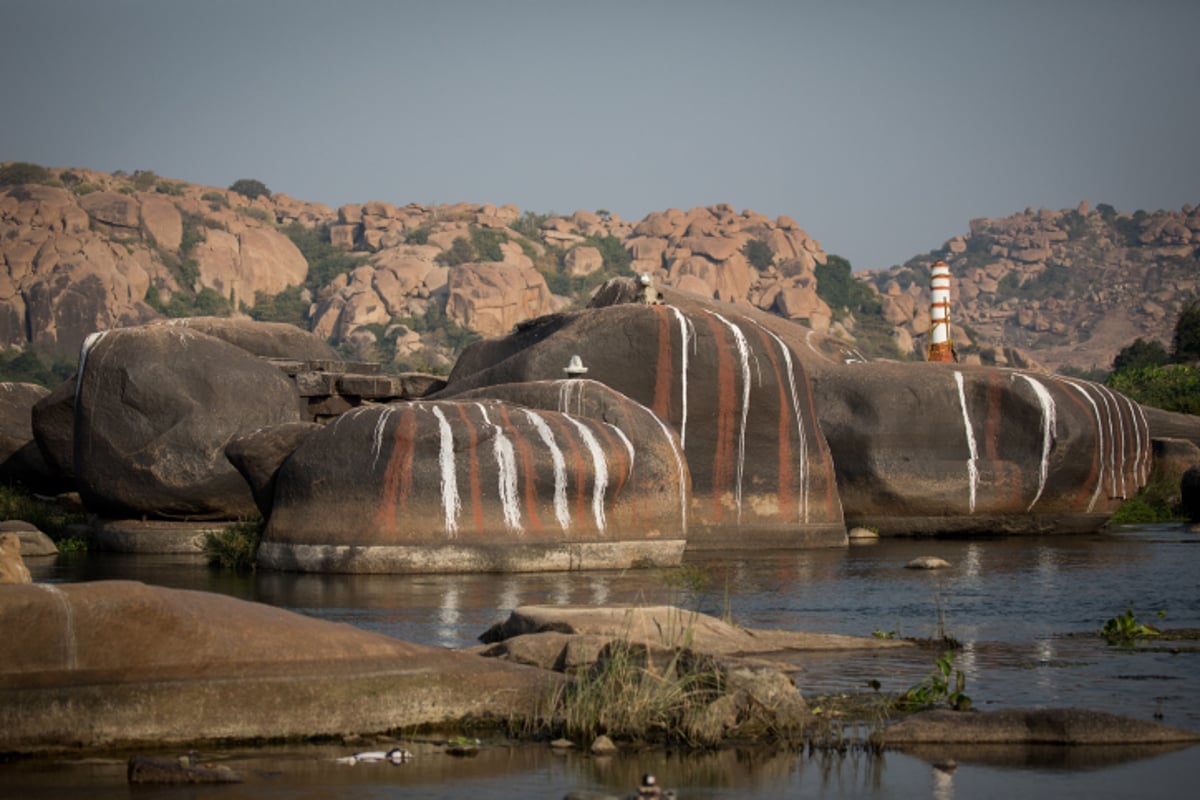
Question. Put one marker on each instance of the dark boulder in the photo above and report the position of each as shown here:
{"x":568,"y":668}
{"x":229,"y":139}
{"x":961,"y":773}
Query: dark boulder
{"x":156,"y":407}
{"x":258,"y":456}
{"x":482,"y":485}
{"x":54,"y":429}
{"x":928,"y":448}
{"x":731,"y":381}
{"x":1189,"y":490}
{"x":20,"y":460}
{"x":264,"y":339}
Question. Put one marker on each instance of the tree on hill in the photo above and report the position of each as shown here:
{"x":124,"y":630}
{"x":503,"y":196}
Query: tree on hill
{"x":20,"y":172}
{"x":1140,"y":353}
{"x":1185,"y":345}
{"x":249,"y":187}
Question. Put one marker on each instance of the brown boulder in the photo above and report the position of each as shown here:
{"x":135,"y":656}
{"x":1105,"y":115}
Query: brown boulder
{"x":12,"y":567}
{"x":117,"y":663}
{"x":583,"y":260}
{"x":491,"y":298}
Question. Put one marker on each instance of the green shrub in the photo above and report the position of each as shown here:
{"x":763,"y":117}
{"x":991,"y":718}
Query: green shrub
{"x":417,"y":235}
{"x":486,"y":243}
{"x":529,"y":225}
{"x":216,"y":200}
{"x":325,"y":262}
{"x":173,"y":188}
{"x":34,"y":365}
{"x":759,"y":254}
{"x":20,"y":172}
{"x":460,"y":252}
{"x":254,"y":212}
{"x":47,"y":516}
{"x":236,"y":547}
{"x":287,"y":306}
{"x":144,"y":180}
{"x":249,"y":187}
{"x":1174,"y":387}
{"x":1185,"y":344}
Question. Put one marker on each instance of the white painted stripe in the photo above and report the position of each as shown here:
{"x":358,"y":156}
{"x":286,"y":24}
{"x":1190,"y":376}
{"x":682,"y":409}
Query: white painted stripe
{"x":377,"y":437}
{"x":1099,"y":436}
{"x":972,"y":462}
{"x":506,"y":467}
{"x":1115,"y":411}
{"x":599,"y":469}
{"x":570,"y":396}
{"x":739,"y":339}
{"x":561,"y":508}
{"x":802,"y":438}
{"x":451,"y":502}
{"x":628,"y":445}
{"x":685,"y":329}
{"x":681,"y":465}
{"x":1049,"y":432}
{"x":90,"y":342}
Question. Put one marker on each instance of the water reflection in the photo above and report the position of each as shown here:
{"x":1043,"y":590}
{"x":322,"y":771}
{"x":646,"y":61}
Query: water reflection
{"x":1025,"y":609}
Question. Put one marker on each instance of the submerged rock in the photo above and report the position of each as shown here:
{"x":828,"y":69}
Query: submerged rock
{"x":1042,"y":726}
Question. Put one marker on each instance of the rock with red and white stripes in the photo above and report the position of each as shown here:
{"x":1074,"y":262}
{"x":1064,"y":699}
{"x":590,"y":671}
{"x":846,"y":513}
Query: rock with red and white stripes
{"x":926,"y":448}
{"x":540,"y":476}
{"x":732,"y":381}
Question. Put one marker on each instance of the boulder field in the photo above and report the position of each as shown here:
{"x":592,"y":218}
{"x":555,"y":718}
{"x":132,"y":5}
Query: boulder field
{"x":610,"y":436}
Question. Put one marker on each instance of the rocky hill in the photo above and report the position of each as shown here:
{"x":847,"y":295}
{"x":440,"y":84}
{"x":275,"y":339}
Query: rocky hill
{"x":1071,"y":287}
{"x":82,"y":250}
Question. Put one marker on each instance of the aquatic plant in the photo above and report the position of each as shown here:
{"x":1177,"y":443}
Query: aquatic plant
{"x":1125,"y":629}
{"x":236,"y":547}
{"x":935,"y":688}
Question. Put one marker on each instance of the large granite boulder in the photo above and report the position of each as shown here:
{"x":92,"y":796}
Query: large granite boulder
{"x":731,"y":381}
{"x":928,"y":448}
{"x":478,"y":484}
{"x":53,"y":419}
{"x":118,"y":663}
{"x":19,"y":459}
{"x":155,"y":408}
{"x":265,"y":339}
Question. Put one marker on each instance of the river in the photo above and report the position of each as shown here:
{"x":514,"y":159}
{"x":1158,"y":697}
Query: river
{"x":1026,"y":610}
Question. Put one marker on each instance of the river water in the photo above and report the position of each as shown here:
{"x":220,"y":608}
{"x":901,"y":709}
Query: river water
{"x":1026,"y":610}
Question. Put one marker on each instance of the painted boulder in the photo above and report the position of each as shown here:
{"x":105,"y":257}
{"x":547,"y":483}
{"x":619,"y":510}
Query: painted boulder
{"x":154,"y":409}
{"x":944,"y":448}
{"x":731,"y":381}
{"x":483,"y":484}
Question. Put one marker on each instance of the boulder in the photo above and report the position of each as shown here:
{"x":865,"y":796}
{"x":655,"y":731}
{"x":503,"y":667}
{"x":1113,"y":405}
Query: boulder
{"x":1040,"y":726}
{"x":12,"y":567}
{"x":16,"y":423}
{"x":491,"y":298}
{"x":115,"y":664}
{"x":264,"y":339}
{"x":34,"y":543}
{"x":53,"y":419}
{"x":582,"y":260}
{"x":926,"y":448}
{"x":483,"y":485}
{"x":731,"y":381}
{"x":670,"y":626}
{"x":1189,"y":492}
{"x":154,"y":410}
{"x":259,"y":454}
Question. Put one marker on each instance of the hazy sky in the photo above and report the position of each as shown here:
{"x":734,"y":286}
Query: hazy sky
{"x":881,"y":127}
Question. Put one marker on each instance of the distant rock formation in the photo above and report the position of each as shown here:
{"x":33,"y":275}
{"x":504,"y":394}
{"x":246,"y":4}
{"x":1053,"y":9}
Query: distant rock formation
{"x":1071,"y":287}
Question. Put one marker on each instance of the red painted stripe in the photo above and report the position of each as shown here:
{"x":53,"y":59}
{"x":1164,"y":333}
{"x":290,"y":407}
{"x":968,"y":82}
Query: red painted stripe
{"x":473,"y":453}
{"x":397,"y":477}
{"x":664,"y":368}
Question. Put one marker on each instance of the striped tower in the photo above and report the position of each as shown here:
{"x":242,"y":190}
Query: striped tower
{"x":940,"y":348}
